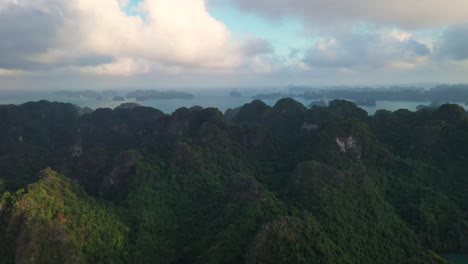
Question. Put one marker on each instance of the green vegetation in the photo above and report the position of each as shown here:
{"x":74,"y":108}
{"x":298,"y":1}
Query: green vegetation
{"x":281,"y":184}
{"x":54,"y":221}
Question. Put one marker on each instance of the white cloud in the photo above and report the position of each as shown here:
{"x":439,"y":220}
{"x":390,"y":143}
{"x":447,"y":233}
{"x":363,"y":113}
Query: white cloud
{"x":121,"y":67}
{"x":176,"y":33}
{"x":375,"y":49}
{"x":60,"y":38}
{"x":7,"y":72}
{"x":407,"y":13}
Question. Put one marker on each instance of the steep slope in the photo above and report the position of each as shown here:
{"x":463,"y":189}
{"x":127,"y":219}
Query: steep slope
{"x":54,"y":221}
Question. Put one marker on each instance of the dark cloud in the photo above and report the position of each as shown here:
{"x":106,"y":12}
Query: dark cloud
{"x":84,"y":61}
{"x":364,"y":50}
{"x":293,"y":53}
{"x":25,"y":32}
{"x":93,"y":60}
{"x":256,"y":46}
{"x":454,"y":43}
{"x":416,"y":48}
{"x":410,"y":14}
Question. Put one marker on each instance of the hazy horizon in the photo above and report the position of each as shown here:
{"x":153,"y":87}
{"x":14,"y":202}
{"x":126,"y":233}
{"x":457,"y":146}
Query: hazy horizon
{"x":229,"y":88}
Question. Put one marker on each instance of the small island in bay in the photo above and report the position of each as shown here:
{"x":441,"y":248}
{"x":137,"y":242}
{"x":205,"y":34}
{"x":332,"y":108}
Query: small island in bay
{"x":86,"y":94}
{"x":144,"y":95}
{"x":367,"y":96}
{"x":275,"y":96}
{"x":433,"y":105}
{"x":109,"y":93}
{"x":118,"y":99}
{"x":235,"y":94}
{"x":319,"y":103}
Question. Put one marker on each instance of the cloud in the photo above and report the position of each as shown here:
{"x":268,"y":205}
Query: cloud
{"x":71,"y":40}
{"x":293,"y":53}
{"x":379,"y":49}
{"x":454,"y":43}
{"x":23,"y":33}
{"x":6,"y":72}
{"x":411,"y":14}
{"x":121,"y":67}
{"x":415,"y":47}
{"x":255,"y":46}
{"x":101,"y":37}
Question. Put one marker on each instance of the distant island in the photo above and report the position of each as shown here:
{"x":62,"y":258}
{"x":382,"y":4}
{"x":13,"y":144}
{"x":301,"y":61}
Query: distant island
{"x":235,"y":94}
{"x":138,"y":95}
{"x":275,"y":96}
{"x":109,"y":93}
{"x":144,"y":95}
{"x":433,"y":105}
{"x":118,"y":99}
{"x":367,"y":96}
{"x":320,"y":103}
{"x":88,"y":94}
{"x":446,"y":93}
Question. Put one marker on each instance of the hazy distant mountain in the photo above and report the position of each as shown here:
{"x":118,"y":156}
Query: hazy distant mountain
{"x":143,"y":95}
{"x":79,"y":94}
{"x":235,"y":94}
{"x":118,"y":99}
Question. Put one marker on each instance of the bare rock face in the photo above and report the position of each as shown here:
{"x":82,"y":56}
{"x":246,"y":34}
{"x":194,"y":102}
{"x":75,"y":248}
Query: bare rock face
{"x":309,"y":127}
{"x":350,"y":146}
{"x":77,"y":150}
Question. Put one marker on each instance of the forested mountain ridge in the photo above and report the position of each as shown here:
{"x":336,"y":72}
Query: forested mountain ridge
{"x":281,"y":184}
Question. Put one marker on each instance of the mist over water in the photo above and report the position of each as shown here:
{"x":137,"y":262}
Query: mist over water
{"x":219,"y":99}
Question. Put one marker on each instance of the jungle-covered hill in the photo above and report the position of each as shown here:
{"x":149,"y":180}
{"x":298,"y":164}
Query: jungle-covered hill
{"x":261,"y":184}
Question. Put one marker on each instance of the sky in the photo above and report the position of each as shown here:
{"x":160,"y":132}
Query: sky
{"x":111,"y":44}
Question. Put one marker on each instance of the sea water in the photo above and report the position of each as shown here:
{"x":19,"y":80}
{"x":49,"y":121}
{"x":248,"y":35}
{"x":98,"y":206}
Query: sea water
{"x":220,"y":100}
